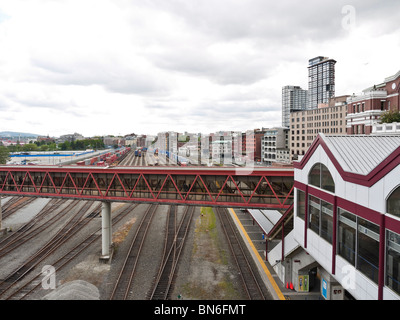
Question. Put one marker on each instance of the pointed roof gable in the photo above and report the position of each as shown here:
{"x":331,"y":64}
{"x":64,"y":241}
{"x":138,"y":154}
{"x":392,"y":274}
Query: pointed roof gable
{"x":361,"y":154}
{"x":361,"y":159}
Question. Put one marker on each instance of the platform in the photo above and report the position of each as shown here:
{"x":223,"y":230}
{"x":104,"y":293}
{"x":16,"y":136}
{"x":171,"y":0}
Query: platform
{"x":266,"y":219}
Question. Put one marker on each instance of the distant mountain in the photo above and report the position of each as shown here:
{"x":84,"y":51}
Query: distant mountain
{"x":12,"y":134}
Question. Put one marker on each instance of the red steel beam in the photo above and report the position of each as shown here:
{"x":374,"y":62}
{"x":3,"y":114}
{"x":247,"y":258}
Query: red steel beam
{"x":259,"y":188}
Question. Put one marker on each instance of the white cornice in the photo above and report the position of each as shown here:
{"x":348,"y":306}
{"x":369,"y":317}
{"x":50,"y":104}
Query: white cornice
{"x":377,"y":94}
{"x":392,"y":78}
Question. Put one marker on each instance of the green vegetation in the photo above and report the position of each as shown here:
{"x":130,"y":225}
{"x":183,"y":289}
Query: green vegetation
{"x":210,"y":277}
{"x":4,"y":155}
{"x":82,"y":144}
{"x":52,"y":146}
{"x":223,"y":290}
{"x":209,"y":223}
{"x":390,"y":116}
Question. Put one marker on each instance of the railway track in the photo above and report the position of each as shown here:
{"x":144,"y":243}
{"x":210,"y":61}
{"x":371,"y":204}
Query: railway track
{"x":174,"y":242}
{"x":146,"y":159}
{"x":27,"y":289}
{"x":250,"y":282}
{"x":16,"y":205}
{"x":122,"y":287}
{"x":10,"y":202}
{"x":74,"y":224}
{"x":33,"y":227}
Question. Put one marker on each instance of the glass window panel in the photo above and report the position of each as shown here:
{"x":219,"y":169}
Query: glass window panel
{"x":368,"y":248}
{"x":326,"y":179}
{"x":320,"y":177}
{"x":393,"y":203}
{"x":314,"y":178}
{"x":301,"y":204}
{"x":393,"y":261}
{"x":326,"y":221}
{"x":314,"y":216}
{"x":347,"y":235}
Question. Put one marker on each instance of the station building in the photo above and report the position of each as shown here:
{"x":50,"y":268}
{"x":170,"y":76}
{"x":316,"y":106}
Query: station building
{"x":347,"y":216}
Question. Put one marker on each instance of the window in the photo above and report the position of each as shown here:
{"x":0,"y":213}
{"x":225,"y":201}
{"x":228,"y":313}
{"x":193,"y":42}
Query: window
{"x":321,"y":218}
{"x":358,"y":243}
{"x":393,"y":202}
{"x":347,"y":235}
{"x":314,"y":210}
{"x":314,"y":177}
{"x":320,"y":177}
{"x":368,"y":248}
{"x":393,"y":261}
{"x":301,"y":204}
{"x":326,"y":221}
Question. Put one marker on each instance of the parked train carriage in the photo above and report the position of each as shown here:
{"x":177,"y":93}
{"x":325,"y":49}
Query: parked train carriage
{"x":93,"y":160}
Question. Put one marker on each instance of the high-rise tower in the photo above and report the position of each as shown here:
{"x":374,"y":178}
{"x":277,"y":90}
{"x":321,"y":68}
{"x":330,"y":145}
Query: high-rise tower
{"x":294,"y":99}
{"x":321,"y":81}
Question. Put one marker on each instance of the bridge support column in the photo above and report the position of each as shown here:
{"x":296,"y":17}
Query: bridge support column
{"x":106,"y":229}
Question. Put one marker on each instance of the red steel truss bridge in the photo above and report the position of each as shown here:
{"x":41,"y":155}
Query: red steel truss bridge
{"x":263,"y":187}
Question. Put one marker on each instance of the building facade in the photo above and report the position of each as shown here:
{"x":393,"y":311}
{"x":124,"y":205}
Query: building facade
{"x":364,"y":110}
{"x":347,"y":214}
{"x":294,"y":99}
{"x":70,"y":137}
{"x":274,"y":145}
{"x":306,"y":125}
{"x":321,"y":81}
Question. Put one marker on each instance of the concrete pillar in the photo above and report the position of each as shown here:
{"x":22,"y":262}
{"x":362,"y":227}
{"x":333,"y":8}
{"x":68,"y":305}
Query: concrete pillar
{"x":106,"y":228}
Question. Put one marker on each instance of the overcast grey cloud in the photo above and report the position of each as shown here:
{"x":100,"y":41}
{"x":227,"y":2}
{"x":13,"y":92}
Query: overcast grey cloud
{"x":122,"y":66}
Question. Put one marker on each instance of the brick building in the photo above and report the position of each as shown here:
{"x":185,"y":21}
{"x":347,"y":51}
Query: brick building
{"x":364,"y":110}
{"x":305,"y":125}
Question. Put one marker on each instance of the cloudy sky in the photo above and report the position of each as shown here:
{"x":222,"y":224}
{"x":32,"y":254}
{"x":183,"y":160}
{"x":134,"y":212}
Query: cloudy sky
{"x":101,"y":67}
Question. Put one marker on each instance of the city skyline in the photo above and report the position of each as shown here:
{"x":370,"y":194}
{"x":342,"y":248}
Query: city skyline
{"x":104,"y":67}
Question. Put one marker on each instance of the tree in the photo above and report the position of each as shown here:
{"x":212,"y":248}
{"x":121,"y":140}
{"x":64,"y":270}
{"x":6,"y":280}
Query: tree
{"x":30,"y":147}
{"x":65,"y":145}
{"x":4,"y":155}
{"x":390,"y":116}
{"x":52,"y":146}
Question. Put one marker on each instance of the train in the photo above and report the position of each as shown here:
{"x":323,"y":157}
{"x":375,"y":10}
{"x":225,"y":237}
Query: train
{"x":104,"y":159}
{"x":139,"y":151}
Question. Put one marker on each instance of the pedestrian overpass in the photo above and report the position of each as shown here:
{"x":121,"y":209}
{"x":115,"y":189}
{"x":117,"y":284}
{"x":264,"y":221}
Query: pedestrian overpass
{"x":258,"y":187}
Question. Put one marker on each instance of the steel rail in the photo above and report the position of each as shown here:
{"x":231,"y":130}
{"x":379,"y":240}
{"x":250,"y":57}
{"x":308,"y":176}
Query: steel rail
{"x":249,"y":280}
{"x":123,"y":283}
{"x":33,"y":284}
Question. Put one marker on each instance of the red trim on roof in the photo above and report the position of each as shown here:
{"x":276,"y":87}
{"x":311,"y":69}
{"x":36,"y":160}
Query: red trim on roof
{"x":387,"y":165}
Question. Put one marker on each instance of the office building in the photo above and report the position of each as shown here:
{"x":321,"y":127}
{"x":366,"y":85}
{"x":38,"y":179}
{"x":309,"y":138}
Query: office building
{"x":294,"y":99}
{"x":274,"y":146}
{"x":305,"y":125}
{"x":321,"y":81}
